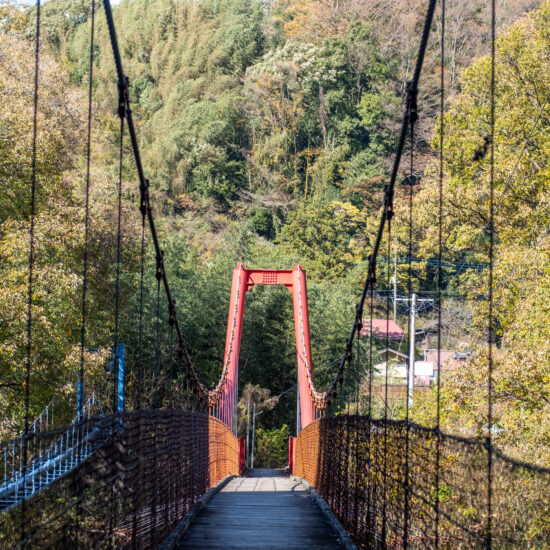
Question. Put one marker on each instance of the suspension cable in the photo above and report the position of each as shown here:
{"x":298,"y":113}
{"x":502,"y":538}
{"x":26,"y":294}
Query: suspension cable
{"x":143,"y":209}
{"x":320,"y":400}
{"x":123,"y":84}
{"x":118,"y":249}
{"x":31,"y":264}
{"x":387,"y":211}
{"x":440,"y":269}
{"x":371,"y":312}
{"x":157,"y":345}
{"x":358,"y":369}
{"x":384,"y":504}
{"x":489,"y":539}
{"x":86,"y":221}
{"x":413,"y":117}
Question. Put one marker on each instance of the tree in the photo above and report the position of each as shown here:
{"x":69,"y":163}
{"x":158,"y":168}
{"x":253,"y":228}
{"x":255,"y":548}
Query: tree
{"x":521,"y":283}
{"x":328,"y":238}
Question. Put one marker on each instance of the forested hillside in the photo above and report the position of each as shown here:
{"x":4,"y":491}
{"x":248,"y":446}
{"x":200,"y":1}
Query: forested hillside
{"x":267,"y":131}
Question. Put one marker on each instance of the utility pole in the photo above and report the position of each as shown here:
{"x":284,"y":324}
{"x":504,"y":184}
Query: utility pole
{"x":253,"y":435}
{"x":248,"y":433}
{"x":410,"y":384}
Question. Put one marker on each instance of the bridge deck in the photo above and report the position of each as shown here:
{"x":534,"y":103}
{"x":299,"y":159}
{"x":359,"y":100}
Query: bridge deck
{"x":264,"y":510}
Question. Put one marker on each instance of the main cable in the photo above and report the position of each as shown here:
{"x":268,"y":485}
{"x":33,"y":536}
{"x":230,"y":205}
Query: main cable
{"x":124,"y":104}
{"x":387,"y":211}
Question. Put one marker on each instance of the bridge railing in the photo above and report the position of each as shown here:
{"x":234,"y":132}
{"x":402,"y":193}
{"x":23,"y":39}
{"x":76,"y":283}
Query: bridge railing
{"x":49,"y":452}
{"x":358,"y":466}
{"x":146,"y":470}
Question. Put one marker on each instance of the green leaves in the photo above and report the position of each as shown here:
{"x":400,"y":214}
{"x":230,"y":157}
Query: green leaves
{"x":327,"y":238}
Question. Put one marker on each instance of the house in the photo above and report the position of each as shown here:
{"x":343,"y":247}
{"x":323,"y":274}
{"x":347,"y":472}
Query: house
{"x":423,"y":373}
{"x":450,"y":360}
{"x":393,"y":356}
{"x":396,"y":363}
{"x":382,"y":329}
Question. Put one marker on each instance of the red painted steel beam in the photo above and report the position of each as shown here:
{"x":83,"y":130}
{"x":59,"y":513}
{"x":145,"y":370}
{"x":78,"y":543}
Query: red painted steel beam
{"x":243,"y":280}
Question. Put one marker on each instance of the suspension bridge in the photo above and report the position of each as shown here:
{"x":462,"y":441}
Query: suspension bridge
{"x":119,"y":478}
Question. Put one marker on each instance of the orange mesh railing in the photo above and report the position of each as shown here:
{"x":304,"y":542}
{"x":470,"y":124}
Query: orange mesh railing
{"x":149,"y":468}
{"x":358,"y":466}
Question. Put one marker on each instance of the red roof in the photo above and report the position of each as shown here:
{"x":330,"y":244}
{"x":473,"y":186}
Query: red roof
{"x":380,"y":327}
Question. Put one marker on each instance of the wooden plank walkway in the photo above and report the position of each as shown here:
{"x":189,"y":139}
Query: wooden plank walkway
{"x":266,"y":510}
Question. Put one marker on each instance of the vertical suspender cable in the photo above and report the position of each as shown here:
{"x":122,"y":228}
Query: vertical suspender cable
{"x":140,"y":337}
{"x":31,"y":266}
{"x":489,"y":539}
{"x":157,"y":348}
{"x":143,"y":205}
{"x":370,"y":493}
{"x":358,"y":367}
{"x":172,"y":363}
{"x":124,"y":104}
{"x":440,"y":271}
{"x":86,"y":222}
{"x":413,"y":117}
{"x":118,"y":247}
{"x":80,"y":397}
{"x":387,"y":211}
{"x":384,"y":506}
{"x":371,"y":313}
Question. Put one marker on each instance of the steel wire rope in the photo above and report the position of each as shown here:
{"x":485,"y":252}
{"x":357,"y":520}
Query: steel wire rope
{"x":124,"y":104}
{"x":112,"y":521}
{"x":387,"y":211}
{"x":31,"y":261}
{"x":371,"y":366}
{"x":157,"y":347}
{"x":440,"y":268}
{"x":86,"y":219}
{"x":356,"y":468}
{"x":489,"y":439}
{"x":80,"y":396}
{"x":358,"y":368}
{"x":143,"y":209}
{"x":385,"y":471}
{"x":216,"y":394}
{"x":369,"y":412}
{"x":413,"y":117}
{"x":117,"y":262}
{"x":172,"y":363}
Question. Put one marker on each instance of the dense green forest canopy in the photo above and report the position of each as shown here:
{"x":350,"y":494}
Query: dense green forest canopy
{"x":267,"y":131}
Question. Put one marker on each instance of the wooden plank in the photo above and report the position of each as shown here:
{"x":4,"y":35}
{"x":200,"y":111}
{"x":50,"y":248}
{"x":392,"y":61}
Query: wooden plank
{"x":262,"y":511}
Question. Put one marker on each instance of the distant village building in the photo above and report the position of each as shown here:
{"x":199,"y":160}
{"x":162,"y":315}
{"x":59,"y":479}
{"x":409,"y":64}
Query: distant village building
{"x":450,"y":360}
{"x":396,"y":363}
{"x":382,"y":328}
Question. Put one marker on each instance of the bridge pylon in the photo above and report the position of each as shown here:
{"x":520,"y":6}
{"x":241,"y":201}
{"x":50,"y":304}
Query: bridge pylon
{"x":243,"y":280}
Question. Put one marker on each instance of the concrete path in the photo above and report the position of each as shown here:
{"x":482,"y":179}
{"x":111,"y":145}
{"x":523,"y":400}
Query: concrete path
{"x":264,"y":510}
